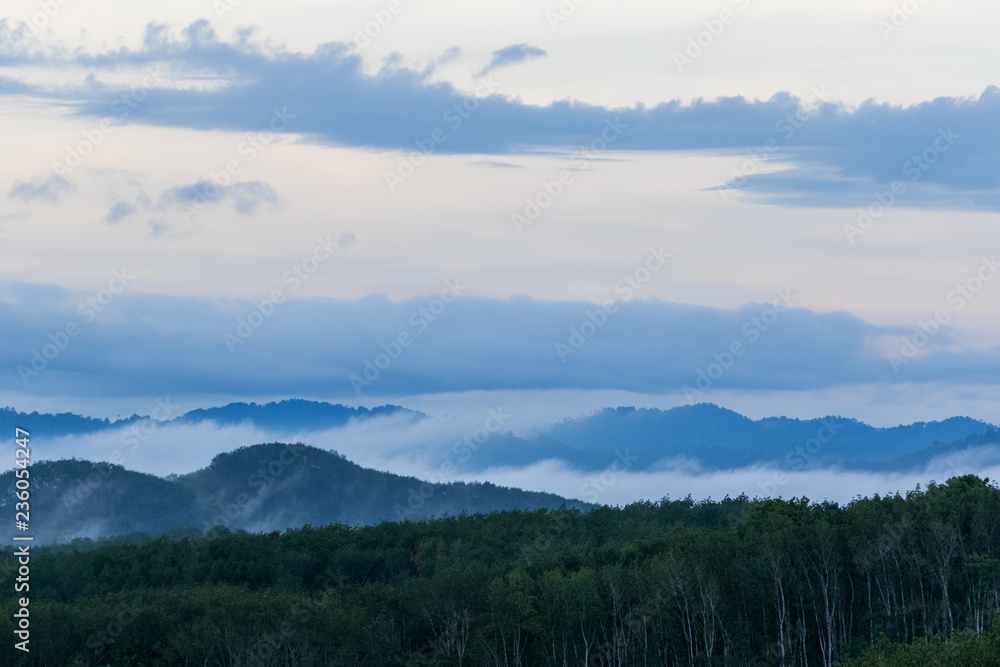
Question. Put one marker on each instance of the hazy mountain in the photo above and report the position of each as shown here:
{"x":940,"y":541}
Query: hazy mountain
{"x":75,"y":498}
{"x":719,"y":438}
{"x":977,"y":450}
{"x":710,"y":436}
{"x":263,"y":487}
{"x":54,"y":426}
{"x":291,"y":416}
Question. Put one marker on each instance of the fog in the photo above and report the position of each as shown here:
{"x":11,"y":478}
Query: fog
{"x":402,"y":446}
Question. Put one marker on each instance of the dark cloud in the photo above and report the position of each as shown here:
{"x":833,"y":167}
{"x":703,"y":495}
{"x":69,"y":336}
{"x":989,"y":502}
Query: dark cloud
{"x":942,"y":150}
{"x":511,"y":55}
{"x":144,"y":344}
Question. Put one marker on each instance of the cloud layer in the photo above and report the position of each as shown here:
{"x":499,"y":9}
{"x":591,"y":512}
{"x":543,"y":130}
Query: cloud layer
{"x":423,"y":449}
{"x":60,"y":342}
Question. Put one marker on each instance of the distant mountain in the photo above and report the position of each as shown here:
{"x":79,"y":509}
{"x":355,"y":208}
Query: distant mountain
{"x":706,"y":435}
{"x":717,"y":438}
{"x":290,"y":416}
{"x":54,"y":426}
{"x":979,"y":450}
{"x":263,"y":487}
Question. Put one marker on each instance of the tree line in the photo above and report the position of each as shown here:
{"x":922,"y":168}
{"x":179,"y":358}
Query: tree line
{"x":890,"y":580}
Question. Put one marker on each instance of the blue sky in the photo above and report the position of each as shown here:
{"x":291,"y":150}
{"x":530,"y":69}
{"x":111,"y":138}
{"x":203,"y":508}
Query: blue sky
{"x":587,"y":197}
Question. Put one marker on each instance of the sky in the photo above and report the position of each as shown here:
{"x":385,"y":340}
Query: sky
{"x":781,"y":207}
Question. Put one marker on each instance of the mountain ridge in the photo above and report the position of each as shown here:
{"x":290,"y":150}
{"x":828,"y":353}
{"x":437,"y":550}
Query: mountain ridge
{"x":689,"y":431}
{"x":713,"y":437}
{"x":300,"y":414}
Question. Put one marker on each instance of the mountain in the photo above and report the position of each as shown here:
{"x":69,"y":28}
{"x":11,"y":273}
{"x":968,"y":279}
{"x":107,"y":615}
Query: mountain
{"x":290,"y":416}
{"x":717,"y":438}
{"x":54,"y":426}
{"x":705,"y":435}
{"x":73,"y":498}
{"x":977,"y":450}
{"x":294,"y":415}
{"x":259,"y":488}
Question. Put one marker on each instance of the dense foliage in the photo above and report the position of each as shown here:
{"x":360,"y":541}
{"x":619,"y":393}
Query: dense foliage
{"x":965,"y":649}
{"x":734,"y":582}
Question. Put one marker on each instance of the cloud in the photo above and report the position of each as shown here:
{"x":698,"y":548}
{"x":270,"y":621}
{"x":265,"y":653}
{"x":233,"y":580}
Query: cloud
{"x":495,"y":164}
{"x":45,"y":189}
{"x":119,"y":211}
{"x":246,"y":197}
{"x":825,"y":152}
{"x":423,"y":449}
{"x":162,"y":448}
{"x":188,"y":201}
{"x":615,"y":487}
{"x":449,"y":55}
{"x":143,"y":344}
{"x":512,"y":55}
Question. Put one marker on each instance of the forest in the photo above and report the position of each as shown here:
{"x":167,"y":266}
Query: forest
{"x":908,"y":579}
